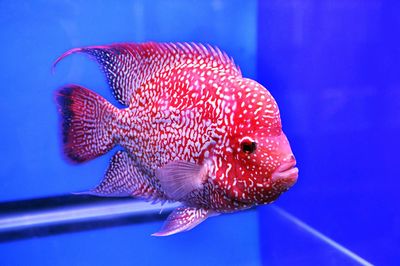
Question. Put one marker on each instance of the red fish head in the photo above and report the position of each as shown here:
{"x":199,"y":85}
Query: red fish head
{"x":262,"y":163}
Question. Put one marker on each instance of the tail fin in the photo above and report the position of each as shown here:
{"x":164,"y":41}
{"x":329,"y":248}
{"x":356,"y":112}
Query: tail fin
{"x":87,"y":123}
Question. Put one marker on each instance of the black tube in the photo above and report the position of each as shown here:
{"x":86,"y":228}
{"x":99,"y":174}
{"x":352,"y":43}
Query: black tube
{"x":64,"y":214}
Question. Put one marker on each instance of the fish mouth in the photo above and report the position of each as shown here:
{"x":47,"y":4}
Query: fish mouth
{"x":285,"y":176}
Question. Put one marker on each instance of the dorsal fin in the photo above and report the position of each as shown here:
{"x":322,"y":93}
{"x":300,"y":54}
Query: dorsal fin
{"x":128,"y":65}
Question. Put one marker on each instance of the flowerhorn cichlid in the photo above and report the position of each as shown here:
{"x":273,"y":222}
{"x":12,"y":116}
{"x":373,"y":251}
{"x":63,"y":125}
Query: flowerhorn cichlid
{"x":193,"y":131}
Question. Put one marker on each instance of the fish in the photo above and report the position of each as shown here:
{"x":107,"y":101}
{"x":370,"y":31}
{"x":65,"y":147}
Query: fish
{"x":191,"y":129}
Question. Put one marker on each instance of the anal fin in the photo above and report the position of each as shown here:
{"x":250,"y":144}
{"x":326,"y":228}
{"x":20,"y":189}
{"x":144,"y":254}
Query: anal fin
{"x":183,"y":219}
{"x":124,"y":178}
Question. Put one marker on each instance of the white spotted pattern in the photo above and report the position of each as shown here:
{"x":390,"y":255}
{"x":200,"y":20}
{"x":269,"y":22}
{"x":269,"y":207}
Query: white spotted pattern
{"x":190,"y":102}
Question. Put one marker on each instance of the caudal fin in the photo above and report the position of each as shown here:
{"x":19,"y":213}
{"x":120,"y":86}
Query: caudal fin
{"x":87,"y":123}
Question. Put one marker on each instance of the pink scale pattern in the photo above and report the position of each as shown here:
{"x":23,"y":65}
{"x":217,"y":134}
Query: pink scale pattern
{"x":187,"y":103}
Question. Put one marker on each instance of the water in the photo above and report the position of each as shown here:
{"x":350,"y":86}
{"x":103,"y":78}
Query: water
{"x":331,"y":65}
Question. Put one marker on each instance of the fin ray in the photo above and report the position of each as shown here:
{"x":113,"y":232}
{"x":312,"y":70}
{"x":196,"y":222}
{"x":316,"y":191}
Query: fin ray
{"x":124,"y":178}
{"x":86,"y":123}
{"x":183,"y":219}
{"x":179,"y":178}
{"x":129,"y":65}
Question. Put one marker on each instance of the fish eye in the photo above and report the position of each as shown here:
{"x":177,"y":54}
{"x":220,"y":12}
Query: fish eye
{"x":248,"y":145}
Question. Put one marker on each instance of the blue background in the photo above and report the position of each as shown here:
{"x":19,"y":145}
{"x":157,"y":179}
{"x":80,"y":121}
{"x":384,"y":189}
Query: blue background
{"x":332,"y":67}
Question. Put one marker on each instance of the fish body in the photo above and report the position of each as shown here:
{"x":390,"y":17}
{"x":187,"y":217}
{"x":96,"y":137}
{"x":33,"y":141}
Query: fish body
{"x":193,"y":131}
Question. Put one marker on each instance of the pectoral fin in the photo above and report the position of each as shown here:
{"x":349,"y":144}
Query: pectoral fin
{"x":183,"y":219}
{"x":178,"y":178}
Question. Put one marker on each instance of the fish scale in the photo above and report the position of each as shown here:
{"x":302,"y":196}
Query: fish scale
{"x":193,"y":130}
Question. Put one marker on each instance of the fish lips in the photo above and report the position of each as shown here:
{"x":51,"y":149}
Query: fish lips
{"x":285,"y":176}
